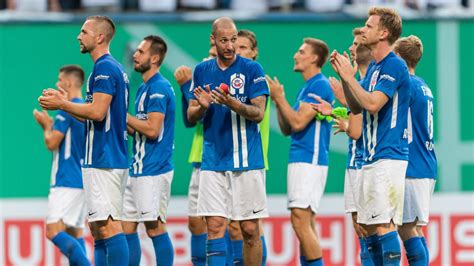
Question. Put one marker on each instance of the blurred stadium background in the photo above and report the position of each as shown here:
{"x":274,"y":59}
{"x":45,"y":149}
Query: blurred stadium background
{"x":39,"y":36}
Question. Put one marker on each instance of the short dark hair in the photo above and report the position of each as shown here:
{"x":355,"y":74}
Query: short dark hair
{"x":110,"y":30}
{"x":320,"y":48}
{"x":157,"y":47}
{"x":74,"y":70}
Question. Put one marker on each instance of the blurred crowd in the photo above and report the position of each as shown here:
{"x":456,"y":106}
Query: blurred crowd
{"x":242,"y":5}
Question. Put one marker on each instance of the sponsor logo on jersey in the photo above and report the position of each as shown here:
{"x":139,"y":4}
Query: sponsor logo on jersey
{"x":259,"y":79}
{"x":101,"y":77}
{"x":157,"y":95}
{"x":387,"y":77}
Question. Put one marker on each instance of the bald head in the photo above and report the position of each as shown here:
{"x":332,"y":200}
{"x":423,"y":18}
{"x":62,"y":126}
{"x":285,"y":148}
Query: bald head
{"x":223,"y":23}
{"x":103,"y":25}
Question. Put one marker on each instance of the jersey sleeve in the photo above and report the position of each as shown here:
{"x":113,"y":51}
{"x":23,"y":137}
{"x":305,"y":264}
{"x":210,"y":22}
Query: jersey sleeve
{"x":104,"y":79}
{"x":186,"y":90}
{"x":158,"y":98}
{"x":320,"y":88}
{"x":194,"y":83}
{"x":62,"y":122}
{"x":390,"y":78}
{"x":258,"y":83}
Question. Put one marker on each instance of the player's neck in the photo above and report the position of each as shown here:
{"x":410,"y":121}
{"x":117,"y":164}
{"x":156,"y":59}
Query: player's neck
{"x":382,"y":49}
{"x":99,"y":52}
{"x":224,"y":64}
{"x":310,"y":72}
{"x":362,"y":71}
{"x":146,"y":76}
{"x":75,"y":93}
{"x":411,"y":70}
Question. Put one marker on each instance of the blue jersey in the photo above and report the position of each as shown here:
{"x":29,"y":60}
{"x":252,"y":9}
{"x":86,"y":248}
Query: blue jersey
{"x":66,"y":170}
{"x":106,"y":140}
{"x":231,"y":142}
{"x":154,"y":157}
{"x":355,"y":156}
{"x":311,"y":145}
{"x":422,"y":160}
{"x":385,"y":132}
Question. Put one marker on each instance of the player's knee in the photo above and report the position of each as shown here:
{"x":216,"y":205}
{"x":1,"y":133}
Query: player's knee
{"x":234,"y":231}
{"x":51,"y":232}
{"x":407,"y":231}
{"x":196,"y":225}
{"x":216,"y":226}
{"x":250,"y":229}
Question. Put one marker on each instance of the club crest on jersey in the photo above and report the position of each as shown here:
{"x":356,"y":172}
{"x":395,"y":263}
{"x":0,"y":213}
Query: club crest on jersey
{"x":237,"y":84}
{"x":373,"y":80}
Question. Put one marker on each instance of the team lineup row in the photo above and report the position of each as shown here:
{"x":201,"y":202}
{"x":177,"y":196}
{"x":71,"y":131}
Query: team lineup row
{"x":390,"y":172}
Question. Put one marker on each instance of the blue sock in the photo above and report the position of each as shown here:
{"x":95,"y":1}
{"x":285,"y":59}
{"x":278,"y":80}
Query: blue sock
{"x":415,"y":252}
{"x":230,"y":253}
{"x":134,"y":249}
{"x":315,"y":262}
{"x":100,"y":253}
{"x":82,"y":243}
{"x":264,"y":251}
{"x":425,"y":246}
{"x":390,"y":248}
{"x":375,"y":249}
{"x":164,"y":251}
{"x":216,"y":252}
{"x":365,"y":258}
{"x":303,"y":261}
{"x":237,"y":246}
{"x":198,"y":249}
{"x":70,"y":248}
{"x":117,"y":250}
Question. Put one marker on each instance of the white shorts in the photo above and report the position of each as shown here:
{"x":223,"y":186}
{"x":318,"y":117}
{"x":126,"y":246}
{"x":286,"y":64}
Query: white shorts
{"x":236,"y":195}
{"x":306,"y":183}
{"x":381,"y":192}
{"x":418,"y":192}
{"x":193,"y":192}
{"x":66,"y":204}
{"x":146,"y":198}
{"x":351,"y":190}
{"x":104,"y":190}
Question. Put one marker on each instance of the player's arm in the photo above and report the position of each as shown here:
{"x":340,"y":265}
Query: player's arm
{"x":96,"y":110}
{"x":185,"y":104}
{"x":284,"y":126}
{"x":336,"y":87}
{"x":52,"y":138}
{"x":354,"y":128}
{"x":355,"y":95}
{"x":297,"y":120}
{"x":183,"y":76}
{"x":130,"y":130}
{"x":151,"y":127}
{"x":253,"y":111}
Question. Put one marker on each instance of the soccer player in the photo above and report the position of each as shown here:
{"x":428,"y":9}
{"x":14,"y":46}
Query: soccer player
{"x":422,"y":164}
{"x":360,"y":55}
{"x":308,"y":160}
{"x":65,"y":138}
{"x":105,"y":167}
{"x":232,"y":178}
{"x":151,"y":171}
{"x":246,"y":46}
{"x":196,"y":224}
{"x":383,"y":100}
